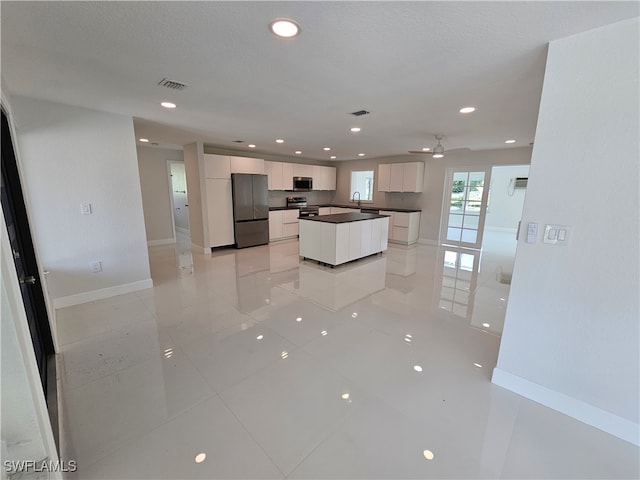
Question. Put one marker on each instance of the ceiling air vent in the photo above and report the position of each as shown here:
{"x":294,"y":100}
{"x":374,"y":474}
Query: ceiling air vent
{"x":359,"y":113}
{"x":172,"y":84}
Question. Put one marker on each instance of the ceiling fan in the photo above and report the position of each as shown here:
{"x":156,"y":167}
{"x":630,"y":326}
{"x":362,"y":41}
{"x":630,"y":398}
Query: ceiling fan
{"x":437,"y":151}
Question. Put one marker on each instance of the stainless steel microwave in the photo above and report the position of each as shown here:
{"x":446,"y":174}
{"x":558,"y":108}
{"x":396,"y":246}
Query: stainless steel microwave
{"x":302,"y":184}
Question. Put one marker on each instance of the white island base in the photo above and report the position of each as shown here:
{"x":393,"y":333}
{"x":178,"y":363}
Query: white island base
{"x":341,"y":238}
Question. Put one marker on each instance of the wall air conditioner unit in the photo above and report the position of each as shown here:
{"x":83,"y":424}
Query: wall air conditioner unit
{"x":521,"y":182}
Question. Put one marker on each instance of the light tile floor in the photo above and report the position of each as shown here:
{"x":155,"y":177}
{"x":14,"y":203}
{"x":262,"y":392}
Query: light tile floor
{"x":267,"y":366}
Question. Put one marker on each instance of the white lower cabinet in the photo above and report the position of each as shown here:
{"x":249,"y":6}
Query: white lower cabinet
{"x":336,"y":243}
{"x":283,"y":224}
{"x":404,"y":227}
{"x":219,"y":212}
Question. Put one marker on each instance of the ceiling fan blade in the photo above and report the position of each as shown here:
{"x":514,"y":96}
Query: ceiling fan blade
{"x":420,"y":152}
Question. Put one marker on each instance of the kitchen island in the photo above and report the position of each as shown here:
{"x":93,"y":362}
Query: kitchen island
{"x":343,"y":237}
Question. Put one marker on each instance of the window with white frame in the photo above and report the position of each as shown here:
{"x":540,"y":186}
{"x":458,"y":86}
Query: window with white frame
{"x":362,"y":185}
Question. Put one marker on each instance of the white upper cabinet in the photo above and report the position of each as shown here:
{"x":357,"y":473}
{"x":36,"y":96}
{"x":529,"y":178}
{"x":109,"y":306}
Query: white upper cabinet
{"x":287,"y":176}
{"x":217,"y":166}
{"x":384,"y":177}
{"x":412,"y":178}
{"x":302,"y":170}
{"x":396,"y":177}
{"x":274,"y":172}
{"x":401,"y":177}
{"x":324,"y":178}
{"x":247,"y":165}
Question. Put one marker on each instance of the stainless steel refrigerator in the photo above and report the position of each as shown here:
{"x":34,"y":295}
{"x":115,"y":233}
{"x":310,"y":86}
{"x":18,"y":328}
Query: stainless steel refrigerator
{"x":250,"y":209}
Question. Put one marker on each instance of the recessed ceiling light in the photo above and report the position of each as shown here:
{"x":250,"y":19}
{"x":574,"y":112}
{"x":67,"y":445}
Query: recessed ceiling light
{"x":200,"y":457}
{"x":355,"y":129}
{"x":168,"y":105}
{"x":467,"y":109}
{"x":486,"y":325}
{"x":438,"y":155}
{"x":477,"y":365}
{"x":144,"y":140}
{"x":251,"y":145}
{"x":279,"y":140}
{"x":510,"y":141}
{"x":332,"y":157}
{"x":326,"y":149}
{"x":298,"y":152}
{"x":426,"y":149}
{"x":361,"y":154}
{"x":284,"y":28}
{"x":417,"y":368}
{"x":428,"y":454}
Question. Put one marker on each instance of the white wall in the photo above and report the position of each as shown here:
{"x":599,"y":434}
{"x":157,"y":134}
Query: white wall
{"x":505,"y":202}
{"x":154,"y":183}
{"x":70,"y":155}
{"x":194,"y":169}
{"x":571,"y":335}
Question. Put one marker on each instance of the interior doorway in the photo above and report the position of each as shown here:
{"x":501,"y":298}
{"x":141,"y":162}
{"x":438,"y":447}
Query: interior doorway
{"x":179,"y":199}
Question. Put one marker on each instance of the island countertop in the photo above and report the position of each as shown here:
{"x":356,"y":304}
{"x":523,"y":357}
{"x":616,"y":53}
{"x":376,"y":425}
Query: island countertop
{"x":343,"y":217}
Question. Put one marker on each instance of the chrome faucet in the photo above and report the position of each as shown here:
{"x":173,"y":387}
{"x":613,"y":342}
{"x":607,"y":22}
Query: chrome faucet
{"x":353,"y":199}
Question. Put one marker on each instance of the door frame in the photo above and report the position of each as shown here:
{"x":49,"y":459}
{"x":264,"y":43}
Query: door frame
{"x":31,"y":298}
{"x":173,"y":206}
{"x":446,"y":200}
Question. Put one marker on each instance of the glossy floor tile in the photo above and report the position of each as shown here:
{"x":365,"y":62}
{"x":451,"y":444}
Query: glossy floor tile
{"x":256,"y":364}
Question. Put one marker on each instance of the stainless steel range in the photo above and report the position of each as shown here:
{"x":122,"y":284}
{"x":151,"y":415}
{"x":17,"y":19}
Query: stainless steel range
{"x":301,"y":204}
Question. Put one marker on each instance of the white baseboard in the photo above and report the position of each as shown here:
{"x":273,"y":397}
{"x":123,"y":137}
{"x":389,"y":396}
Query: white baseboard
{"x":584,"y":412}
{"x":85,"y":297}
{"x":164,"y":241}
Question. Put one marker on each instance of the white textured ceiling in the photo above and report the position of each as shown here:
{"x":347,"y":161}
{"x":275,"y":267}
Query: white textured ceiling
{"x":411,"y":64}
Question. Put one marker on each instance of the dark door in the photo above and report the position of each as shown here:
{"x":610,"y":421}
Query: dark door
{"x":15,"y":217}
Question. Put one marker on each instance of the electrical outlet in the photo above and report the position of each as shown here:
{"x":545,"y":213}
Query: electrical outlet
{"x":96,"y":267}
{"x":85,"y":208}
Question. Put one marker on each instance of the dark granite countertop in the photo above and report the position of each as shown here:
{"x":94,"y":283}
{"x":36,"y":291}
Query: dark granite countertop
{"x":343,"y":217}
{"x":366,"y":206}
{"x":271,"y":209}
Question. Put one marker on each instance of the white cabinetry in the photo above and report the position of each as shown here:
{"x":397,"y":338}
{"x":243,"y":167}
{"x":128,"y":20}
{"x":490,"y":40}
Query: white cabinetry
{"x":401,"y":177}
{"x":217,"y":166}
{"x":287,"y":176}
{"x":219,"y":211}
{"x":324,"y":178}
{"x":384,"y":177}
{"x":336,"y":243}
{"x":274,"y":173}
{"x":404,"y":227}
{"x":302,"y":170}
{"x":283,"y":224}
{"x":247,"y":165}
{"x":275,"y":224}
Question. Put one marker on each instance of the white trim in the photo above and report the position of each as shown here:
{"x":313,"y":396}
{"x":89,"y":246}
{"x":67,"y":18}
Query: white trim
{"x":184,"y":231}
{"x":85,"y":297}
{"x":164,"y":241}
{"x":584,"y":412}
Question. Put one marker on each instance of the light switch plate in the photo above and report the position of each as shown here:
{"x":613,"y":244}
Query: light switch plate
{"x":96,"y":267}
{"x":556,"y":234}
{"x":532,"y":232}
{"x":85,"y":208}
